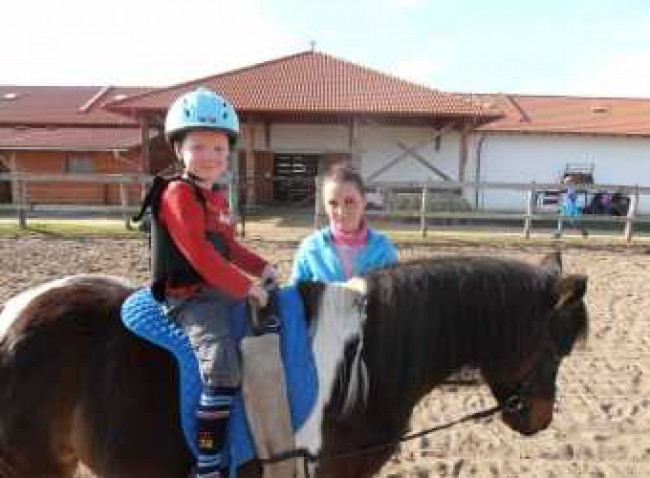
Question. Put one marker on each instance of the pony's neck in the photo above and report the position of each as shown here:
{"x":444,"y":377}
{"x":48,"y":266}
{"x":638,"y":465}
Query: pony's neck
{"x":410,"y":360}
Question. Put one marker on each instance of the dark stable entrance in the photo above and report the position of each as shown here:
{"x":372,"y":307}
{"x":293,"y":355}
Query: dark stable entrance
{"x":294,"y":178}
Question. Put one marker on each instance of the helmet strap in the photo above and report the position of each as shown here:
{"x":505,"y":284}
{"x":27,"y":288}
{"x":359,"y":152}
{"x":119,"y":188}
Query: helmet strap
{"x":194,"y":178}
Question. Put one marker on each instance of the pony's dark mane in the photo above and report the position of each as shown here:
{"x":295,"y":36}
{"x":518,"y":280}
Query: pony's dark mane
{"x":457,"y":306}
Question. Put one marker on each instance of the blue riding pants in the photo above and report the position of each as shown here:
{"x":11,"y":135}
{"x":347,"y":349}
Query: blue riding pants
{"x":204,"y":318}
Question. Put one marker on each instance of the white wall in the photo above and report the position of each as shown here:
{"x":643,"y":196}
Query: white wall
{"x":306,"y":138}
{"x":526,"y":158}
{"x":379,"y":147}
{"x":504,"y":157}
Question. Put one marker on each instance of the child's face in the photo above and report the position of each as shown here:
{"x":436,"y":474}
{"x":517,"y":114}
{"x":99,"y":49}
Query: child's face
{"x":344,"y":204}
{"x":205,"y":154}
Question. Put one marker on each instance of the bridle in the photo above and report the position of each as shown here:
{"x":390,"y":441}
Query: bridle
{"x":545,"y":361}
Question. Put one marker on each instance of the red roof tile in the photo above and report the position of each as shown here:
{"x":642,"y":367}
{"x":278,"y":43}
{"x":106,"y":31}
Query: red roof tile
{"x":61,"y":105}
{"x":69,"y":139}
{"x":313,"y":82}
{"x":569,"y":115}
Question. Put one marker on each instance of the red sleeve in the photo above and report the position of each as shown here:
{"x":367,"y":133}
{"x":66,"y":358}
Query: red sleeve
{"x":184,"y":218}
{"x":239,"y":254}
{"x":246,"y":259}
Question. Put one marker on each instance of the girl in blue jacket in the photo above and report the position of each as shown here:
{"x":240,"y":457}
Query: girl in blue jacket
{"x":348,"y":247}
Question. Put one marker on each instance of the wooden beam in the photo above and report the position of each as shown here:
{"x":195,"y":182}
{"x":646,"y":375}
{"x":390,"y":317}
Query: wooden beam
{"x":144,"y":144}
{"x":463,"y":151}
{"x":13,"y":168}
{"x":424,"y":162}
{"x":396,"y":160}
{"x":250,"y":163}
{"x":400,"y":157}
{"x":631,"y":214}
{"x":234,"y":189}
{"x":267,"y":136}
{"x":353,"y":144}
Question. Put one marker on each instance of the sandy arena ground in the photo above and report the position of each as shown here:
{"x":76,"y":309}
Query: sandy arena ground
{"x":602,"y":425}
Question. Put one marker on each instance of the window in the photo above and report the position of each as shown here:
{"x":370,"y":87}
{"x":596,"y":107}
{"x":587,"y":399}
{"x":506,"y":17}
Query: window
{"x":78,"y":164}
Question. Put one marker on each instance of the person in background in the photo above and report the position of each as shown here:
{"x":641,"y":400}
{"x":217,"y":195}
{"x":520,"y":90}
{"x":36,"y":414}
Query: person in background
{"x":570,"y":210}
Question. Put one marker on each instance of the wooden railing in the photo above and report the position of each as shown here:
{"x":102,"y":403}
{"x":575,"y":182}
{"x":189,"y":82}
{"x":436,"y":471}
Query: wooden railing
{"x":527,"y":218}
{"x":22,"y":205}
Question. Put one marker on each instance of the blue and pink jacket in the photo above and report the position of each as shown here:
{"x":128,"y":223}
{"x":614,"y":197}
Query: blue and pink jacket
{"x":317,"y":260}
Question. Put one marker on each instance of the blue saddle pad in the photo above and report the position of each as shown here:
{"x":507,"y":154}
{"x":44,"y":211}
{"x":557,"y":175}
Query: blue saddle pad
{"x":144,"y":316}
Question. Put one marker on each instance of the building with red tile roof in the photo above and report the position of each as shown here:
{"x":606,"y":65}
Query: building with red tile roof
{"x":313,"y":85}
{"x":65,"y":129}
{"x":303,"y":112}
{"x":68,"y":106}
{"x":531,"y":114}
{"x":545,"y":138}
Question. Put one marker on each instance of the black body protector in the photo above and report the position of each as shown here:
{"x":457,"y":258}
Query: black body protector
{"x":168,"y":265}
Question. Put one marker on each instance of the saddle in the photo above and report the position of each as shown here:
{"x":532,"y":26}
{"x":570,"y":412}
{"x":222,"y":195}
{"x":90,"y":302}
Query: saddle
{"x":270,"y":361}
{"x":264,"y":391}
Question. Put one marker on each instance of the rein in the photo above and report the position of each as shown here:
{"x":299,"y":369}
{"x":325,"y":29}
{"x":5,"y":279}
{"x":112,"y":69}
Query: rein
{"x":372,"y":449}
{"x":515,"y":403}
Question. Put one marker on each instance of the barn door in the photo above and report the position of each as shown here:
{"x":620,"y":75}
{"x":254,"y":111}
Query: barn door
{"x":294,"y":178}
{"x":264,"y":179}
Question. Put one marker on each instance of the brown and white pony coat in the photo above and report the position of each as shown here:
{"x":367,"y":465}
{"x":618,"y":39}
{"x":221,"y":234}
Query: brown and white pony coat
{"x":76,"y":386}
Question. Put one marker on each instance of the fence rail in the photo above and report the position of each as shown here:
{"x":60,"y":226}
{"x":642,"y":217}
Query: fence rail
{"x":22,"y":204}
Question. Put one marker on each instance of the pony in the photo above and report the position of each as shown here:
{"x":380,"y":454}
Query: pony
{"x":77,"y":388}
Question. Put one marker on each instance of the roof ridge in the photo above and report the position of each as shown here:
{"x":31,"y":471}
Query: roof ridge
{"x":111,"y":104}
{"x":460,"y":100}
{"x":523,"y":115}
{"x":580,"y":97}
{"x":94,"y":99}
{"x":448,"y":94}
{"x":569,"y":97}
{"x":381,"y":73}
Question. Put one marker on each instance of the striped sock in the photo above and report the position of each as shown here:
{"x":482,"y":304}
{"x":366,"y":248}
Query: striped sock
{"x":212,"y":420}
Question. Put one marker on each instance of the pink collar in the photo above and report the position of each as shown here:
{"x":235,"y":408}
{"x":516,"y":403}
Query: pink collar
{"x":355,"y":238}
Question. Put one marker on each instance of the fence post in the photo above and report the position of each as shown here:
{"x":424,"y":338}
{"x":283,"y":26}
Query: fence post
{"x":22,"y":203}
{"x":423,"y":211}
{"x":631,"y":214}
{"x":317,"y":201}
{"x":124,"y":201}
{"x":530,"y":207}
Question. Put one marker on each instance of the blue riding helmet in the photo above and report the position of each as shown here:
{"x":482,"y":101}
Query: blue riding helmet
{"x":201,"y":109}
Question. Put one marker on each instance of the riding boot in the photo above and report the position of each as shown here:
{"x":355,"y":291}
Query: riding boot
{"x":212,"y":421}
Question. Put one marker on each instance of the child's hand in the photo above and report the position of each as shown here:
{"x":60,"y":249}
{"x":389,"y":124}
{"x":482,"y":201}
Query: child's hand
{"x":258,"y":296}
{"x":269,"y":276}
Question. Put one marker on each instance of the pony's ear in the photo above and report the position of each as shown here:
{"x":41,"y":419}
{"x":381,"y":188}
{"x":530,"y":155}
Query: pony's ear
{"x":570,"y":322}
{"x":310,"y":293}
{"x":570,"y":289}
{"x":553,"y":262}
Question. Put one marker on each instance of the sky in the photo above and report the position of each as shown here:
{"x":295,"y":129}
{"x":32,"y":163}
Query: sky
{"x":559,"y":47}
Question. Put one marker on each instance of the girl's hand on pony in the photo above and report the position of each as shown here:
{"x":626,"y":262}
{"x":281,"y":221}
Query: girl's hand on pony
{"x":269,"y":278}
{"x":258,"y":296}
